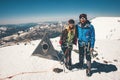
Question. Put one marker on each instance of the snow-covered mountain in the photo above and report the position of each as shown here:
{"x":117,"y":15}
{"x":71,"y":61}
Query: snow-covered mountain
{"x":14,"y":34}
{"x":16,"y":62}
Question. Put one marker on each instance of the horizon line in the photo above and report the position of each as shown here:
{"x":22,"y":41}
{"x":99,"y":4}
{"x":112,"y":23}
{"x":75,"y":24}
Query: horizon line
{"x":38,"y":20}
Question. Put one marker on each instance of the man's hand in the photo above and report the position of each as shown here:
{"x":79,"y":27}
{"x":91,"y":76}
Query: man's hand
{"x":91,"y":49}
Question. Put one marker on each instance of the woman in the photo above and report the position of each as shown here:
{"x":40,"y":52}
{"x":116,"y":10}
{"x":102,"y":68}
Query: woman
{"x":67,"y":39}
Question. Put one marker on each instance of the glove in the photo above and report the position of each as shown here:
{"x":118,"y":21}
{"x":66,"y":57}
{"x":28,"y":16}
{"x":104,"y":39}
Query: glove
{"x":60,"y":42}
{"x":75,"y":41}
{"x":91,"y":49}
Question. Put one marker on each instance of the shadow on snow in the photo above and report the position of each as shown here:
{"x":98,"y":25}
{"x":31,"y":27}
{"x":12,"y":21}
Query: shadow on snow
{"x":97,"y":67}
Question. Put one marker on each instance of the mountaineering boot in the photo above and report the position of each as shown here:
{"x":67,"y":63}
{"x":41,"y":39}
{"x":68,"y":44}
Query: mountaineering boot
{"x":88,"y":72}
{"x":80,"y":66}
{"x":70,"y":67}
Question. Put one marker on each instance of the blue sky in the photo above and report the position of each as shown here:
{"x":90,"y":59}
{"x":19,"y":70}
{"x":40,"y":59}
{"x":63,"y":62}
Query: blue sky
{"x":18,"y":11}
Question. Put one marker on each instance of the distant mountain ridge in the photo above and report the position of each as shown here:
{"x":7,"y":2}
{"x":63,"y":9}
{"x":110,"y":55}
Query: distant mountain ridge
{"x":10,"y":29}
{"x":28,"y":32}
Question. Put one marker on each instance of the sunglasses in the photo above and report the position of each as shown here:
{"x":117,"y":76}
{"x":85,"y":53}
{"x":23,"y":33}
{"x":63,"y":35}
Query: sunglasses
{"x":82,"y":18}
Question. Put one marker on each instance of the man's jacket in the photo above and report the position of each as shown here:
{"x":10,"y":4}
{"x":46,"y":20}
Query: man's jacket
{"x":86,"y":33}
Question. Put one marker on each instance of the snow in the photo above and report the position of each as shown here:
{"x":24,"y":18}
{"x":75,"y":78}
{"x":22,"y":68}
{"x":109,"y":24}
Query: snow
{"x":107,"y":27}
{"x":16,"y":62}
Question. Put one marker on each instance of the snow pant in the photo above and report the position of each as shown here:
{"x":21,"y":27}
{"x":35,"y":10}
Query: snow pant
{"x":84,"y":51}
{"x":67,"y":55}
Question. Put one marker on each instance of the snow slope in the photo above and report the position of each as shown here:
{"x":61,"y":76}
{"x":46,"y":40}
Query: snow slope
{"x":107,"y":27}
{"x":16,"y":62}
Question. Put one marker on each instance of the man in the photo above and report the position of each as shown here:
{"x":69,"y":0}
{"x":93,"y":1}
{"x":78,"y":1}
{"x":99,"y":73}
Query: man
{"x":67,"y":39}
{"x":86,"y":40}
